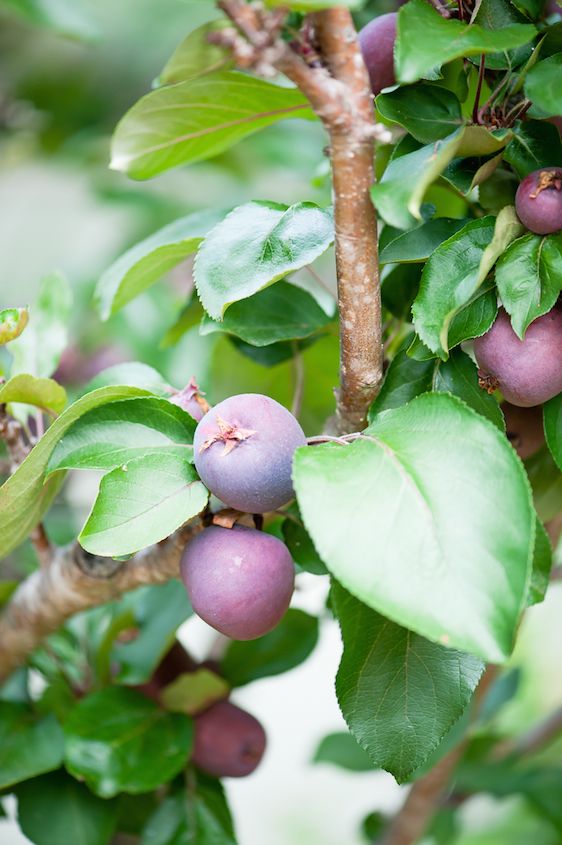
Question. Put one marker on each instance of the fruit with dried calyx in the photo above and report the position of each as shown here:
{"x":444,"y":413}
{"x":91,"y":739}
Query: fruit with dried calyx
{"x":376,"y":41}
{"x":239,"y":580}
{"x":192,"y":400}
{"x":228,"y":741}
{"x":243,"y":450}
{"x":528,"y":372}
{"x":538,"y":201}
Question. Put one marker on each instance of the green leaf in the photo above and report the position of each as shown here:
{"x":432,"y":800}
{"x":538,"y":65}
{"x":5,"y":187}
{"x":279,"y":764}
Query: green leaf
{"x":56,"y":809}
{"x":28,"y":746}
{"x":193,"y":692}
{"x":118,"y":740}
{"x":25,"y":496}
{"x":553,"y":427}
{"x":529,"y":278}
{"x":495,"y":15}
{"x":459,"y":376}
{"x":455,"y":271}
{"x":42,"y":392}
{"x":111,"y":435}
{"x":405,"y":379}
{"x":196,"y":56}
{"x":399,"y":194}
{"x":535,"y":144}
{"x":341,"y":749}
{"x":37,"y":351}
{"x":399,"y":287}
{"x":280,"y":312}
{"x":444,"y":40}
{"x":546,"y":481}
{"x":542,"y":564}
{"x":287,"y":646}
{"x":146,"y":262}
{"x":141,"y":503}
{"x":198,"y":119}
{"x":439,"y":510}
{"x":197,"y":815}
{"x":428,"y":112}
{"x":542,"y":85}
{"x":159,"y":610}
{"x":12,"y":323}
{"x":417,"y":244}
{"x":399,"y":693}
{"x":302,"y":548}
{"x":255,"y":245}
{"x":133,"y":374}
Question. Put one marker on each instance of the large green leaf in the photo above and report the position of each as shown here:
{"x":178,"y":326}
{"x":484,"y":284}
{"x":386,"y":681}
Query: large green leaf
{"x":141,"y":503}
{"x":459,"y":376}
{"x":198,"y":119}
{"x":341,"y":749}
{"x":37,"y":351}
{"x":529,"y":278}
{"x":542,"y":85}
{"x":439,"y":510}
{"x":445,"y":39}
{"x":280,"y":312}
{"x":56,"y":809}
{"x":197,"y":56}
{"x":29,"y":745}
{"x":542,"y":564}
{"x":111,"y":435}
{"x":196,"y":815}
{"x":146,"y":262}
{"x":288,"y":645}
{"x":25,"y":496}
{"x":553,"y":427}
{"x":118,"y":740}
{"x":134,"y":374}
{"x":455,"y":271}
{"x":417,"y":244}
{"x":255,"y":245}
{"x":398,"y":692}
{"x":428,"y":112}
{"x":405,"y":379}
{"x":535,"y":144}
{"x":42,"y":392}
{"x":399,"y":194}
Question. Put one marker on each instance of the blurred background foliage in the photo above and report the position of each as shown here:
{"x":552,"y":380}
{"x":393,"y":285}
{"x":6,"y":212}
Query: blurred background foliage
{"x":68,"y":72}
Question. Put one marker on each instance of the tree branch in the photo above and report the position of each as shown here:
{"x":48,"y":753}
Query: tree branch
{"x":76,"y":581}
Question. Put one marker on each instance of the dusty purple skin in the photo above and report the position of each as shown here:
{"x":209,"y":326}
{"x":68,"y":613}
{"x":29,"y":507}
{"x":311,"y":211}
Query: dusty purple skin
{"x":252,"y":473}
{"x":376,"y":40}
{"x":529,"y":371}
{"x":239,"y":580}
{"x":228,"y":741}
{"x":538,"y":201}
{"x":190,"y":398}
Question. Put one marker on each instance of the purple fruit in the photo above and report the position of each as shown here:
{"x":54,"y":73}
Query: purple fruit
{"x":538,"y":201}
{"x":244,"y":452}
{"x":191,"y":400}
{"x":239,"y":580}
{"x":376,"y":40}
{"x":228,"y":741}
{"x":528,"y":372}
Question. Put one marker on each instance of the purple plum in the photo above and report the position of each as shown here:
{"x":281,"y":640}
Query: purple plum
{"x":229,"y":742}
{"x":243,"y":450}
{"x":190,"y":398}
{"x":528,"y":372}
{"x":538,"y":201}
{"x":376,"y":41}
{"x":239,"y":580}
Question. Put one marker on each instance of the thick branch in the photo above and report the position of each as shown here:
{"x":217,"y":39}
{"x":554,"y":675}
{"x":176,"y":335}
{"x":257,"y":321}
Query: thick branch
{"x":75,"y":581}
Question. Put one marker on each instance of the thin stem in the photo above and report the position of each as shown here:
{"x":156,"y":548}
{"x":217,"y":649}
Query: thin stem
{"x":495,"y":93}
{"x":298,"y":380}
{"x":475,"y":111}
{"x":535,"y":739}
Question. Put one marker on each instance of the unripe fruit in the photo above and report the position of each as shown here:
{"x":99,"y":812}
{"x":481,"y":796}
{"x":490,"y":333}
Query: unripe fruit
{"x":376,"y":41}
{"x":239,"y":580}
{"x":538,"y":201}
{"x":228,"y":741}
{"x":244,"y":450}
{"x":524,"y":428}
{"x":191,"y":400}
{"x":528,"y":372}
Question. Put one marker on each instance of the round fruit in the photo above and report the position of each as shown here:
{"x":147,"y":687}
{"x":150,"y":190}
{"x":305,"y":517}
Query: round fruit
{"x":376,"y":41}
{"x":524,"y":428}
{"x":244,"y":450}
{"x":191,"y":400}
{"x":528,"y":372}
{"x":228,"y":741}
{"x":239,"y":580}
{"x":538,"y":201}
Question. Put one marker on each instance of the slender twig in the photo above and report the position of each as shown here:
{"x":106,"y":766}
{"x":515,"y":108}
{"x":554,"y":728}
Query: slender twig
{"x":475,"y":107}
{"x":298,"y":380}
{"x":535,"y":739}
{"x":492,"y":98}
